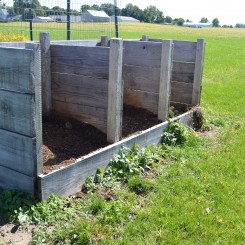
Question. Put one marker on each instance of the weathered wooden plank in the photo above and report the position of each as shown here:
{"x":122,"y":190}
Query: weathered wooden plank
{"x":13,"y":44}
{"x":183,"y":72}
{"x":12,"y":180}
{"x":142,"y":99}
{"x":197,"y":86}
{"x":145,"y":38}
{"x":36,"y":71}
{"x":18,"y":152}
{"x":115,"y":91}
{"x":15,"y":73}
{"x":105,"y":41}
{"x":46,"y":73}
{"x":81,"y":90}
{"x":76,"y":174}
{"x":17,"y":112}
{"x":183,"y":50}
{"x":79,"y":60}
{"x":141,"y":78}
{"x":92,"y":115}
{"x":86,"y":43}
{"x":142,"y":53}
{"x":181,"y":92}
{"x":165,"y":80}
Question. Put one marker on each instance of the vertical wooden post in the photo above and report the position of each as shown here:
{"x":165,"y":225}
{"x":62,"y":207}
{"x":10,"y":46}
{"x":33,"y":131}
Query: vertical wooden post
{"x":165,"y":80}
{"x":36,"y":75}
{"x":145,"y":38}
{"x":115,"y":91}
{"x":46,"y":73}
{"x":105,"y":41}
{"x":197,"y":86}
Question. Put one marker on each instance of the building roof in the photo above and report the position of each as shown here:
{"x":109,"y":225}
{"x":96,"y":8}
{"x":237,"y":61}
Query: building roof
{"x":191,"y":24}
{"x":4,"y":11}
{"x":126,"y":18}
{"x":98,"y":13}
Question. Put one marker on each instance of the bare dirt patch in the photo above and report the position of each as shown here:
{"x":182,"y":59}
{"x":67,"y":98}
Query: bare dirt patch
{"x":65,"y":140}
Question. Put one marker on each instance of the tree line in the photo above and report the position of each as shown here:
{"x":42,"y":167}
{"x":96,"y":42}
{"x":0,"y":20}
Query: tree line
{"x":151,"y":14}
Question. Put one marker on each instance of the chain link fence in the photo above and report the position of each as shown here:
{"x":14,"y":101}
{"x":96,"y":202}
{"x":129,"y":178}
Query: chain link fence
{"x":63,"y":19}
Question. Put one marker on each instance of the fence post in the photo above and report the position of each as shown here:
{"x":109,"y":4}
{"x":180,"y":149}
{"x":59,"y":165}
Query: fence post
{"x":68,"y":14}
{"x":105,"y":41}
{"x":36,"y":71}
{"x":165,"y":80}
{"x":115,"y":91}
{"x":46,"y":73}
{"x":116,"y":18}
{"x":197,"y":86}
{"x":145,"y":38}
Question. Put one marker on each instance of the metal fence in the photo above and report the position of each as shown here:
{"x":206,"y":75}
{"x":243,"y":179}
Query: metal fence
{"x":64,"y":19}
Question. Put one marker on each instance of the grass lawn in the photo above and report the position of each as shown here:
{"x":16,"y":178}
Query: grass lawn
{"x":196,"y":194}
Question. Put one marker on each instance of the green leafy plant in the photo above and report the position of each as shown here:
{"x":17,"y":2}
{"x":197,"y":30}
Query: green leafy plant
{"x":175,"y":134}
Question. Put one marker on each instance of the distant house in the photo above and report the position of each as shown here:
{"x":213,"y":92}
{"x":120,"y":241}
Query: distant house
{"x":42,"y":19}
{"x":124,"y":19}
{"x":95,"y":16}
{"x":197,"y":25}
{"x":63,"y":18}
{"x":3,"y":14}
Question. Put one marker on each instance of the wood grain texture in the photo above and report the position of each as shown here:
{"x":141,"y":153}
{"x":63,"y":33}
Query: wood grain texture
{"x":13,"y":44}
{"x":15,"y":73}
{"x":86,"y":43}
{"x":115,"y":91}
{"x":17,"y":112}
{"x":76,"y":174}
{"x":142,"y":99}
{"x":141,"y":78}
{"x":183,"y":50}
{"x":197,"y":87}
{"x":18,"y":152}
{"x":80,"y":60}
{"x":12,"y":180}
{"x":183,"y":72}
{"x":92,"y":115}
{"x":165,"y":80}
{"x":81,"y":90}
{"x":46,"y":73}
{"x":181,"y":92}
{"x":142,"y":53}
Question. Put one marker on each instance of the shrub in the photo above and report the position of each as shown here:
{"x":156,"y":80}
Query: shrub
{"x":12,"y":37}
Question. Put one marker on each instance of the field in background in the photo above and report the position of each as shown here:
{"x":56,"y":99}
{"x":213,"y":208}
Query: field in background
{"x":200,"y":198}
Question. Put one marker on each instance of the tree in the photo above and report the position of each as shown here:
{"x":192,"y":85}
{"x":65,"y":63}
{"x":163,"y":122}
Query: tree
{"x":215,"y":22}
{"x":168,"y":19}
{"x":108,"y":8}
{"x":133,"y":11}
{"x":204,"y":20}
{"x":180,"y":22}
{"x":153,"y":15}
{"x":240,"y":25}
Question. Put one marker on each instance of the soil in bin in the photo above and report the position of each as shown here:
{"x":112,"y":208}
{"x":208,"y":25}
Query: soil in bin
{"x":65,"y":140}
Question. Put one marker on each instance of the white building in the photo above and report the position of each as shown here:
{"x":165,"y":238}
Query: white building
{"x":124,"y":19}
{"x":42,"y":19}
{"x":197,"y":25}
{"x":63,"y":18}
{"x":95,"y":16}
{"x":3,"y":14}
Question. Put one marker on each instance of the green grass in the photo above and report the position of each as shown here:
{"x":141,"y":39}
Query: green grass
{"x":196,"y":194}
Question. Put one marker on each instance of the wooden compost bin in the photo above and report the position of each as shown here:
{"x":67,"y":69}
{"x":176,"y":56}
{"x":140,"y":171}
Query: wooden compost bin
{"x":187,"y":71}
{"x":81,"y":80}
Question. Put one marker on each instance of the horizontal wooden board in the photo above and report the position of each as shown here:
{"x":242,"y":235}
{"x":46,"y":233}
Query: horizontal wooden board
{"x":183,"y":50}
{"x":141,"y":78}
{"x":13,"y":44}
{"x":70,"y":179}
{"x":16,"y":69}
{"x":142,"y":53}
{"x":181,"y":92}
{"x":183,"y":72}
{"x":18,"y":152}
{"x":12,"y":180}
{"x":79,"y":60}
{"x":17,"y":112}
{"x":92,"y":115}
{"x":83,"y":90}
{"x":86,"y":43}
{"x":142,"y":99}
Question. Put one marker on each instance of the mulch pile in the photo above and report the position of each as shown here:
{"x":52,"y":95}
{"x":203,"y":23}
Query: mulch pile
{"x":65,"y":140}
